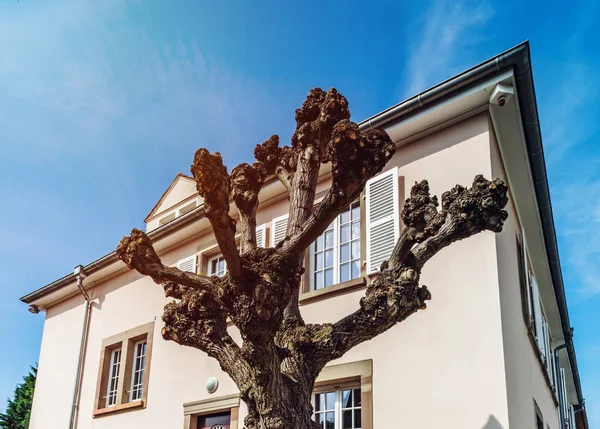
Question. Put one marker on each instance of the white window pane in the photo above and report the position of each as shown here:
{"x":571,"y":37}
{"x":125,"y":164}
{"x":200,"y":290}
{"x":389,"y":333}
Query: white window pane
{"x":355,"y":250}
{"x":346,"y":398}
{"x":330,"y":401}
{"x":319,"y":280}
{"x":319,"y":261}
{"x":319,"y":243}
{"x":319,"y":402}
{"x":355,"y":211}
{"x":329,"y":277}
{"x":356,"y":230}
{"x":356,"y":397}
{"x":321,"y":419}
{"x":355,"y":269}
{"x":345,"y":272}
{"x":347,"y":419}
{"x":345,"y":217}
{"x":345,"y":253}
{"x":330,"y":420}
{"x":345,"y":233}
{"x":328,"y":239}
{"x":329,"y":258}
{"x":357,"y":418}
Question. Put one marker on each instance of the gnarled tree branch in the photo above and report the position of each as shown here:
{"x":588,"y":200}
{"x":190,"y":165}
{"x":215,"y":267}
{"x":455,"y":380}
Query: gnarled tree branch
{"x":395,"y":294}
{"x":137,"y":252}
{"x":212,"y":182}
{"x":246,"y":182}
{"x":355,"y":157}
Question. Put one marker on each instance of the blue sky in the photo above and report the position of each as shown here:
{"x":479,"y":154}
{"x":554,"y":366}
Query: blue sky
{"x":103,"y":102}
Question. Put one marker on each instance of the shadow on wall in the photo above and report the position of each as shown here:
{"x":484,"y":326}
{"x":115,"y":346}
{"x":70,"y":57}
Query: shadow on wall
{"x":492,"y":423}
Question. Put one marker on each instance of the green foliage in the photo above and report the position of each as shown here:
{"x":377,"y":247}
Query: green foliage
{"x":18,"y":410}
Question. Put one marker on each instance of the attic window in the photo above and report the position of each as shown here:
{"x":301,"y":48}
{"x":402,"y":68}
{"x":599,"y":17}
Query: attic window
{"x":188,"y":208}
{"x":167,"y":219}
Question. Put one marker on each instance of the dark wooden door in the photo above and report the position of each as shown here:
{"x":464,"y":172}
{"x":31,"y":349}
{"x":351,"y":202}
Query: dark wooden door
{"x":215,"y":421}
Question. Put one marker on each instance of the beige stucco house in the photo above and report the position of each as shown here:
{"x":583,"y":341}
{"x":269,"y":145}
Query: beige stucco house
{"x":492,"y":351}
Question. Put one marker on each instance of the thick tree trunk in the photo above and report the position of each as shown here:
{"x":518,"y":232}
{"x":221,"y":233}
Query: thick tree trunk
{"x":279,"y":406}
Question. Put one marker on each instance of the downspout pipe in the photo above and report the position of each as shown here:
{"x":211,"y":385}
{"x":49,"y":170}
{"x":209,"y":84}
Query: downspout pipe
{"x":80,"y":275}
{"x":561,"y":400}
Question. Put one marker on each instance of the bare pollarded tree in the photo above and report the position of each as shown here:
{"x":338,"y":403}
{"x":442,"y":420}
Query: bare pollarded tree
{"x":280,"y":357}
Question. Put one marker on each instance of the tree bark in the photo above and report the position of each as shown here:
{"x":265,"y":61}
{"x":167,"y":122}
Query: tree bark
{"x":280,"y":357}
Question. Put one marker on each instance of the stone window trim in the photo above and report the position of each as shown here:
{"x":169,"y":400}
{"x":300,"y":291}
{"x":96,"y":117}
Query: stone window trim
{"x":126,"y":341}
{"x":192,"y":410}
{"x":360,"y":374}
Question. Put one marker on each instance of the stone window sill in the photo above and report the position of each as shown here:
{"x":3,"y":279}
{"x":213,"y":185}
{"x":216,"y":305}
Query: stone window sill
{"x":120,"y":407}
{"x":340,"y":288}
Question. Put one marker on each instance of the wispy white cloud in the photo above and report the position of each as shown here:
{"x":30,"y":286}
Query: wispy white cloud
{"x":569,"y":119}
{"x":577,"y":209}
{"x":442,"y":40}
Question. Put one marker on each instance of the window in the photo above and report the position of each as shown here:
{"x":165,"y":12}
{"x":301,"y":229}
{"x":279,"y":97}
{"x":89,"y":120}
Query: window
{"x":217,"y":266}
{"x":382,"y":218}
{"x":535,"y":317}
{"x":113,"y":377}
{"x":187,"y":264}
{"x":338,"y":409}
{"x":137,"y":376}
{"x":343,"y":398}
{"x":336,"y":253}
{"x":124,"y":370}
{"x":539,"y":419}
{"x":212,"y":412}
{"x":215,"y":421}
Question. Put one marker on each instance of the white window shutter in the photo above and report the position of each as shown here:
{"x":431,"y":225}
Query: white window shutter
{"x":261,"y":235}
{"x":552,"y":370}
{"x":527,"y":279}
{"x":537,"y":314}
{"x":279,"y":229}
{"x":383,"y":218}
{"x":563,"y":392}
{"x":187,"y":264}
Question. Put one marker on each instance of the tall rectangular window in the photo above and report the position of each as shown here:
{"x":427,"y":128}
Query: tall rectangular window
{"x":124,"y":371}
{"x":338,"y":409}
{"x":113,"y":377}
{"x":335,"y":254}
{"x":137,"y":375}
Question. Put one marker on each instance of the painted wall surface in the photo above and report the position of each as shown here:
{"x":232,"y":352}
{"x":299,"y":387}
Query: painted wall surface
{"x":524,"y":377}
{"x":183,"y":188}
{"x":445,"y":364}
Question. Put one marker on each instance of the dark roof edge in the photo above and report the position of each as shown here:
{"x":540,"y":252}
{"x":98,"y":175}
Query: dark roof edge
{"x":519,"y":60}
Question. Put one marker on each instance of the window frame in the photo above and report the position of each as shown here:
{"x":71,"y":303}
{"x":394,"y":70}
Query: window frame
{"x":210,"y":261}
{"x":112,"y":376}
{"x":212,"y":405}
{"x":352,"y":374}
{"x":134,"y":369}
{"x":337,"y":247}
{"x":125,"y":342}
{"x":338,"y":389}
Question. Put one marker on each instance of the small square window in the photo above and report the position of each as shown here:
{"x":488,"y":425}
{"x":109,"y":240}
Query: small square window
{"x":217,"y":266}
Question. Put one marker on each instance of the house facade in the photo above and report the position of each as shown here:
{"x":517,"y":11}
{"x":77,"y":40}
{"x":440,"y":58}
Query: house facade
{"x":493,"y":350}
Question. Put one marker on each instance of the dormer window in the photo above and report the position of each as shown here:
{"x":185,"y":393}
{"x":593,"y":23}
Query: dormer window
{"x":167,"y":219}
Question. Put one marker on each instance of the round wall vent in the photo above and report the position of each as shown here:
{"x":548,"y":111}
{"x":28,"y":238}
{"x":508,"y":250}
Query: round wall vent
{"x":212,"y":385}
